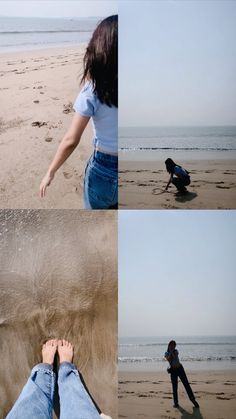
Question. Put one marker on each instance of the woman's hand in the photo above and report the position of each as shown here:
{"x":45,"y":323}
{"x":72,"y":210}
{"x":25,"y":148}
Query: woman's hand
{"x":45,"y":183}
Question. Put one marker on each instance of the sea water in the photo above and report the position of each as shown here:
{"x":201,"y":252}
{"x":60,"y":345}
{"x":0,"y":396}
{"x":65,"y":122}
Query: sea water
{"x":195,"y":352}
{"x":18,"y":33}
{"x":147,"y":143}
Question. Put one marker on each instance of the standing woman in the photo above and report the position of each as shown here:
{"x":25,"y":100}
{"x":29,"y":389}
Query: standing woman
{"x":178,"y":176}
{"x":177,"y":370}
{"x":98,"y":100}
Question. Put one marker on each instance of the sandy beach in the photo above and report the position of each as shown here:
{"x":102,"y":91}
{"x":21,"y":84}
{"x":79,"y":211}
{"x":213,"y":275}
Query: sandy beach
{"x":213,"y":185}
{"x":37,"y":91}
{"x":55,"y":282}
{"x":148,"y":395}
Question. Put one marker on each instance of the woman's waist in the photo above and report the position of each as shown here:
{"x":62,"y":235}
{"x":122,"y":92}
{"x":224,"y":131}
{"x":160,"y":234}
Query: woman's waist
{"x":106,"y":152}
{"x":106,"y":146}
{"x":105,"y":160}
{"x":176,"y":366}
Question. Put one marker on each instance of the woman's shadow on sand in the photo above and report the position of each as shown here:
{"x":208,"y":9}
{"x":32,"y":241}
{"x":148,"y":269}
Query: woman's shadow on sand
{"x":186,"y":197}
{"x":196,"y":414}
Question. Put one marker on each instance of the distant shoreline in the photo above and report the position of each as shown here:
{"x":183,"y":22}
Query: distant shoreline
{"x":23,"y":34}
{"x":184,"y":155}
{"x":50,"y":47}
{"x":161,"y":367}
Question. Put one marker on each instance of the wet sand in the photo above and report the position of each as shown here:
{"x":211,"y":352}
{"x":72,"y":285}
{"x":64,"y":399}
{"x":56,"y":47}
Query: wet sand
{"x":58,"y":279}
{"x":148,"y":395}
{"x":142,"y":184}
{"x":37,"y":91}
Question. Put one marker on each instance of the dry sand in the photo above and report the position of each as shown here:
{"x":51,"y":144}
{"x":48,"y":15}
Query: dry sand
{"x":38,"y":88}
{"x":148,"y":395}
{"x":58,"y":279}
{"x":213,"y":185}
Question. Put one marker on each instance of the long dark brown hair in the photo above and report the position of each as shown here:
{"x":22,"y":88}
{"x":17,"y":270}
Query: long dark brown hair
{"x":170,"y":165}
{"x":170,"y":343}
{"x":101,"y":61}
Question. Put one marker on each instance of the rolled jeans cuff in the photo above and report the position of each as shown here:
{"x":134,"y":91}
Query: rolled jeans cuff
{"x":68,"y":365}
{"x":47,"y":368}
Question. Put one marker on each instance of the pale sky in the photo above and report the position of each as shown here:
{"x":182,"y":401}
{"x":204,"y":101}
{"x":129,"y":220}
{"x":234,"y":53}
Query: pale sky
{"x":177,"y":62}
{"x":58,"y":8}
{"x":177,"y":273}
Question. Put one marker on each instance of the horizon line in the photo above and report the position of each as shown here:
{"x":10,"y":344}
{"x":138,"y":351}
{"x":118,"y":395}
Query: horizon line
{"x":54,"y":17}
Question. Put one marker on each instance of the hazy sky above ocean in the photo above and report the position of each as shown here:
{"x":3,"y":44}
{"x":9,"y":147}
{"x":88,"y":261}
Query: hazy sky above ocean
{"x":177,"y":62}
{"x":58,"y":8}
{"x":177,"y":273}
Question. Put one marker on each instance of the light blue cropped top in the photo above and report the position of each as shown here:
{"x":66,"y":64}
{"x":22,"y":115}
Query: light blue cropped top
{"x":104,"y":119}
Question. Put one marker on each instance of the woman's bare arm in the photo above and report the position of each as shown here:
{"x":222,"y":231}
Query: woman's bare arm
{"x":169,"y":182}
{"x":66,"y":147}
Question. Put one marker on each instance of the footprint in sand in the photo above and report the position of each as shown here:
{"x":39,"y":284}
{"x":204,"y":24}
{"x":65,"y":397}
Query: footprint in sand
{"x":38,"y":124}
{"x":222,"y":187}
{"x":67,"y":175}
{"x":68,"y":108}
{"x":229,"y":173}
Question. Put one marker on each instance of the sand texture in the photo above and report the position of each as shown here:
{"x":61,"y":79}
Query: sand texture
{"x":213,"y":185}
{"x":58,"y":279}
{"x":148,"y":395}
{"x":37,"y":92}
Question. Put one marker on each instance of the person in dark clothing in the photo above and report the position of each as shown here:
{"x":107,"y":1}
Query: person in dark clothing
{"x":178,"y":176}
{"x":176,"y":371}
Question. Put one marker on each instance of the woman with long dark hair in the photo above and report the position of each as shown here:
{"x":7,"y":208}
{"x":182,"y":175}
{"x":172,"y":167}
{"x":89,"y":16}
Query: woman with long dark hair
{"x":178,"y":176}
{"x":98,"y":100}
{"x":176,"y":370}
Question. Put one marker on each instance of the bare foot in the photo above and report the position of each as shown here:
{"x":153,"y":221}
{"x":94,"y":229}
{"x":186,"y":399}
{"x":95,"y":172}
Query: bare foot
{"x":48,"y":351}
{"x":65,"y":350}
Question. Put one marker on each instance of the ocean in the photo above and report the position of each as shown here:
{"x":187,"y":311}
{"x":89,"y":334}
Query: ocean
{"x":196,"y":353}
{"x":18,"y":33}
{"x":188,"y":142}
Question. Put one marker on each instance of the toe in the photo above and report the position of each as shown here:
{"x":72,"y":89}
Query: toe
{"x":59,"y":343}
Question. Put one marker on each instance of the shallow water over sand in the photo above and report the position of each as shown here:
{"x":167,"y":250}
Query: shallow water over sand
{"x":58,"y":280}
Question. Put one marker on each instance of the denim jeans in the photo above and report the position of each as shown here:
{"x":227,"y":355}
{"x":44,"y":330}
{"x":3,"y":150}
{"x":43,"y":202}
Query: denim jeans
{"x":179,"y":372}
{"x":36,"y":398}
{"x":180,"y":183}
{"x":101,"y":181}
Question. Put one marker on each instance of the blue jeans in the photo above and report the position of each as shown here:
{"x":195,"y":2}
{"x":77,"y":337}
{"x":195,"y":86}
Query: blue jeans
{"x":179,"y":372}
{"x":101,"y":181}
{"x":36,"y":398}
{"x":180,"y":183}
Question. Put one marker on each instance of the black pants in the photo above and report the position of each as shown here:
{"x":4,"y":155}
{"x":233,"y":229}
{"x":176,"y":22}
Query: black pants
{"x":179,"y":372}
{"x":180,"y":183}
